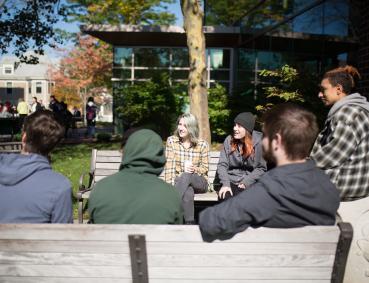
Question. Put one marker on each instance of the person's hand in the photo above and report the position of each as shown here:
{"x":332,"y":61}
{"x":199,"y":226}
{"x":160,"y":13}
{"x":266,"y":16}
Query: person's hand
{"x":222,"y":192}
{"x":189,"y":169}
{"x":242,"y":186}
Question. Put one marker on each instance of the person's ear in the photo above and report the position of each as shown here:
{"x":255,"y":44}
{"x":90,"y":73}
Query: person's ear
{"x":277,"y":142}
{"x":339,"y":89}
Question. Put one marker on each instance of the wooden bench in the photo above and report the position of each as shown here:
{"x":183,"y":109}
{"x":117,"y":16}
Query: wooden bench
{"x":10,"y":147}
{"x":106,"y":162}
{"x":59,"y":253}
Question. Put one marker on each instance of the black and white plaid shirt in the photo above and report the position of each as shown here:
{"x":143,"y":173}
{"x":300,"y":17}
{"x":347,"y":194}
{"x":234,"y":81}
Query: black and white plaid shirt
{"x":342,"y":151}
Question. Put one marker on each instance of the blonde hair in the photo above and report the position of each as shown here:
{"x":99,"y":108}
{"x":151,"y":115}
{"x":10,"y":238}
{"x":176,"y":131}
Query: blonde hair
{"x":192,"y":127}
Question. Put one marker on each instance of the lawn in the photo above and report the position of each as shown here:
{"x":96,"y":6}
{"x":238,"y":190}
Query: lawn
{"x":73,"y":160}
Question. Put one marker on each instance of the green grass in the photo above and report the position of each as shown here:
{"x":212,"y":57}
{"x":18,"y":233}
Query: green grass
{"x":73,"y":160}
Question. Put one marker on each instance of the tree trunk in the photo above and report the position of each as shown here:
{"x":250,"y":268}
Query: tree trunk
{"x":193,"y":17}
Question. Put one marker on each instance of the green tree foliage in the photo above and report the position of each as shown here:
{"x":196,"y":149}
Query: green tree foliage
{"x":152,"y":103}
{"x":121,"y":12}
{"x":28,"y":25}
{"x":282,"y":88}
{"x":218,"y":112}
{"x":229,"y":13}
{"x":288,"y":84}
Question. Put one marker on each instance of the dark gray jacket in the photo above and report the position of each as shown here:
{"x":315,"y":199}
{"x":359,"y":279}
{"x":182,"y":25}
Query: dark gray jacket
{"x":30,"y":192}
{"x":233,"y":168}
{"x":288,"y":196}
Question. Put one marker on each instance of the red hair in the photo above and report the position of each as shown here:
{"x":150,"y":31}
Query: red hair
{"x":247,"y":147}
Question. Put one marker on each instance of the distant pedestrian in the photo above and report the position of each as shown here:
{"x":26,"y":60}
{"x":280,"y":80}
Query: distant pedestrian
{"x":91,"y":111}
{"x":22,"y":109}
{"x":35,"y":106}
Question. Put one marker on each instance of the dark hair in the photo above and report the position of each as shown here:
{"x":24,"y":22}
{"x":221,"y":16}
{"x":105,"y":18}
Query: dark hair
{"x":90,"y":99}
{"x":344,"y":76}
{"x":43,"y":132}
{"x":35,"y":98}
{"x":297,"y":127}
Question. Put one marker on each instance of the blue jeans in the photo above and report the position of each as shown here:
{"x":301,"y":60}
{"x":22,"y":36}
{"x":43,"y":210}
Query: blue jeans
{"x":90,"y":130}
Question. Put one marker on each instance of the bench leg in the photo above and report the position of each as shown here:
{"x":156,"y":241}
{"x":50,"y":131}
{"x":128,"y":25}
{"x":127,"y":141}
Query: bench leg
{"x":80,"y":211}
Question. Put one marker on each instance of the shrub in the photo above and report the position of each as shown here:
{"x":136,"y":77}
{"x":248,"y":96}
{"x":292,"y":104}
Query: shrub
{"x":218,"y":112}
{"x":151,"y":103}
{"x":103,"y":137}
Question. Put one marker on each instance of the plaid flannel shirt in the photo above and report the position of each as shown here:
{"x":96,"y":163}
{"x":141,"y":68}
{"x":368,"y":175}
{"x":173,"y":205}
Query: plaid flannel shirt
{"x":176,"y":154}
{"x":342,"y":151}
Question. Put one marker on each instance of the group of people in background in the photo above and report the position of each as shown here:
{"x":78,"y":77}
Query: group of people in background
{"x":60,"y":108}
{"x":288,"y":175}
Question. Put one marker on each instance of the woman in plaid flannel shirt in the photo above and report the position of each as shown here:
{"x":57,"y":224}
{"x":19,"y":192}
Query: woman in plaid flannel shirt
{"x":342,"y":147}
{"x":187,"y":163}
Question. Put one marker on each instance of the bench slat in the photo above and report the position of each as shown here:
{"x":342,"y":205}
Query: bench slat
{"x":106,"y":159}
{"x":93,"y":259}
{"x":168,"y":272}
{"x":108,"y":153}
{"x":161,"y":280}
{"x":175,"y":233}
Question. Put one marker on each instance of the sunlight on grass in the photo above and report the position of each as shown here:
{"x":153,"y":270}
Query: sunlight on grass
{"x":73,"y":160}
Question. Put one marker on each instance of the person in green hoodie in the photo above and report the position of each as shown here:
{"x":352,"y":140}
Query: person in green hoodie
{"x":135,"y":195}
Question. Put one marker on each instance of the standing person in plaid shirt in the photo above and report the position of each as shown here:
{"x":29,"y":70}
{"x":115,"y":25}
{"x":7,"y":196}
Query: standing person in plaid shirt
{"x":241,"y":161}
{"x":342,"y":147}
{"x":187,"y":163}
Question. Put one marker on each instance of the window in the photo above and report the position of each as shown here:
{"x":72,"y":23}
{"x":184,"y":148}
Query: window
{"x":8,"y":69}
{"x":39,"y":87}
{"x":29,"y":87}
{"x":9,"y":88}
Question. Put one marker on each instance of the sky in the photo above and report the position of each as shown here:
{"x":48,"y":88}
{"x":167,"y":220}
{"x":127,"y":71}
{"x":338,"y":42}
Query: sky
{"x":74,"y":27}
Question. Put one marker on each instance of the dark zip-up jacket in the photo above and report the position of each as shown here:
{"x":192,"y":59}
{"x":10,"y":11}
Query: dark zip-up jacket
{"x":234,"y":168}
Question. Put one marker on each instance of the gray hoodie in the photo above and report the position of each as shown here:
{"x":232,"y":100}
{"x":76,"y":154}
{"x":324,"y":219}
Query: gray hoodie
{"x":353,"y":99}
{"x":30,"y":192}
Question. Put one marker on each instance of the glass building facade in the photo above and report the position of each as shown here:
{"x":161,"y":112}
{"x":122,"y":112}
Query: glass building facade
{"x":237,"y":67}
{"x":139,"y":64}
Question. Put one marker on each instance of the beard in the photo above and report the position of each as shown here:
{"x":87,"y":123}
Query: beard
{"x":268,"y":154}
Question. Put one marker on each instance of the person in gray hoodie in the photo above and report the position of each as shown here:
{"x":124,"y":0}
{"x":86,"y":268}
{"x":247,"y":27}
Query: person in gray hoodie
{"x":342,"y":147}
{"x":241,"y":162}
{"x":30,"y":191}
{"x":293,"y":194}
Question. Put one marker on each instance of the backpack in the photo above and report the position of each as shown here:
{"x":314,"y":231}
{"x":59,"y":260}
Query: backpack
{"x":90,"y":115}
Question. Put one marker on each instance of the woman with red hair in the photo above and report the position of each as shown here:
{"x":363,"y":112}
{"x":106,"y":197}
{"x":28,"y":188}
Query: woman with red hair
{"x":241,"y":162}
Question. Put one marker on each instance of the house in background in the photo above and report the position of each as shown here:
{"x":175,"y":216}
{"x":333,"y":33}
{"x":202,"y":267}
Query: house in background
{"x":25,"y":81}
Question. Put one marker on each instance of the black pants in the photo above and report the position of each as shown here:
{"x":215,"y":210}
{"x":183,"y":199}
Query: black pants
{"x":235,"y":190}
{"x":188,"y":185}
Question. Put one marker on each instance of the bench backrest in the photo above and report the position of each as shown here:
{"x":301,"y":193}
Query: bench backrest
{"x":107,"y":162}
{"x":163,"y":253}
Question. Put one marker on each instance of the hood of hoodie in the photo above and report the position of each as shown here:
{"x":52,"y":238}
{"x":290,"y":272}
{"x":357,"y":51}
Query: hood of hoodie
{"x":352,"y":99}
{"x":14,"y":168}
{"x":144,"y":153}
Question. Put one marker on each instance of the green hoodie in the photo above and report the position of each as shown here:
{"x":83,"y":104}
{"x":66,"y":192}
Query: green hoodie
{"x":135,"y":195}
